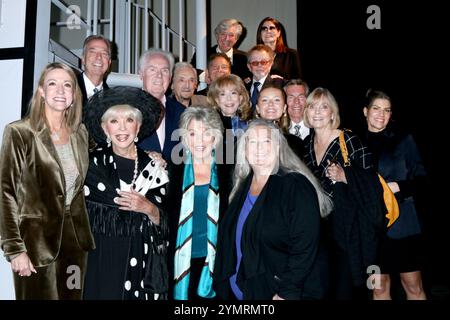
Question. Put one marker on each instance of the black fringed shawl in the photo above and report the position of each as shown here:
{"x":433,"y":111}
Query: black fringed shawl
{"x":148,"y":241}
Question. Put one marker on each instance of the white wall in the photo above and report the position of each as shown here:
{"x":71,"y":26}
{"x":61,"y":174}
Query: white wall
{"x":12,"y":35}
{"x":251,"y":12}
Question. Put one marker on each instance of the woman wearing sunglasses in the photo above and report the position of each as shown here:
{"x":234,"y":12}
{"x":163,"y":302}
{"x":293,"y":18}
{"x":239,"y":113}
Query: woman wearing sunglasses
{"x":286,"y":62}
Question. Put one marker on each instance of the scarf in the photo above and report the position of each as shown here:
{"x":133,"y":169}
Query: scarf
{"x":184,"y":234}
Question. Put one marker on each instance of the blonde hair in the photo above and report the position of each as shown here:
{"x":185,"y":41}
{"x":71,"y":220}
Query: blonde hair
{"x":126,"y":109}
{"x":36,"y":108}
{"x":244,"y":110}
{"x":319,"y":95}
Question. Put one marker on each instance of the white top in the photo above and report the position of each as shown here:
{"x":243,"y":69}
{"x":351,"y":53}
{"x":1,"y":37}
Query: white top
{"x":261,"y":82}
{"x":304,"y":130}
{"x":90,"y":86}
{"x":69,"y":167}
{"x":229,"y":53}
{"x":161,"y":131}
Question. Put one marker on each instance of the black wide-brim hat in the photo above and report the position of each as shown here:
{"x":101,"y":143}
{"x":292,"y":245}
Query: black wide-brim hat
{"x":97,"y":105}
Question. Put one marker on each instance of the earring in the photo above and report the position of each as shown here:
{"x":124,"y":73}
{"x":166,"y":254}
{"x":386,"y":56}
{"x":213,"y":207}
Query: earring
{"x":108,"y":141}
{"x":136,"y":139}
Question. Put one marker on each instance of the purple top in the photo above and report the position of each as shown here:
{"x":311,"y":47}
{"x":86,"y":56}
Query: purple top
{"x":246,"y":208}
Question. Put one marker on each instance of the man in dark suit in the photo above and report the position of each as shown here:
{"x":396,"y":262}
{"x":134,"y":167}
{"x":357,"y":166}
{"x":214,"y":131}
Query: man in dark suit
{"x":96,"y":64}
{"x":155,"y":70}
{"x":296,"y":92}
{"x":219,"y":65}
{"x":260,"y":60}
{"x":227,"y":33}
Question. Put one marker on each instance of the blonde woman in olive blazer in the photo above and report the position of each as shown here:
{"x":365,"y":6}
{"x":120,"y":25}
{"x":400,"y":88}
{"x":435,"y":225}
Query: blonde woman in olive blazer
{"x":44,"y":227}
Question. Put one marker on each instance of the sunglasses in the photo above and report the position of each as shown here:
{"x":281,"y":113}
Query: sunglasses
{"x":265,"y":28}
{"x":259,"y":63}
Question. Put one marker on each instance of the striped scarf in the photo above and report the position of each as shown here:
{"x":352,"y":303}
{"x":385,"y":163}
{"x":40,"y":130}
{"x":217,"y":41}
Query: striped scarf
{"x":184,"y":234}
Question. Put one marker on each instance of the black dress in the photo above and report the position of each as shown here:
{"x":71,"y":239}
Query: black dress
{"x":129,"y":261}
{"x":397,"y":159}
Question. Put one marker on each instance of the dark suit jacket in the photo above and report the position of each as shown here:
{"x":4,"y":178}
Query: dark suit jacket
{"x":32,"y":193}
{"x":173,"y":111}
{"x":397,"y":159}
{"x":287,"y":64}
{"x":269,"y":81}
{"x":82,"y":85}
{"x":279,"y":244}
{"x":238,"y":67}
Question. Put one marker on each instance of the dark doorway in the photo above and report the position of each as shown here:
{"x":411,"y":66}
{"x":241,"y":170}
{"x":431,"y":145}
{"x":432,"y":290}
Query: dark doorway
{"x":406,"y":59}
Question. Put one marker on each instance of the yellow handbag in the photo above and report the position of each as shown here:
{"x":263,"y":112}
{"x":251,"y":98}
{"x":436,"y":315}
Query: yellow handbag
{"x":389,"y":198}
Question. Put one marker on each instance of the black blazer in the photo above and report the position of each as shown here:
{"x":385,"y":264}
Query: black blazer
{"x":173,"y":111}
{"x":82,"y":85}
{"x":397,"y":159}
{"x":238,"y":66}
{"x":287,"y":64}
{"x":279,"y":244}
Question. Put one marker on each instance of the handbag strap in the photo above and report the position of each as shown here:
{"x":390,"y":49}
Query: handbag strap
{"x":344,"y":150}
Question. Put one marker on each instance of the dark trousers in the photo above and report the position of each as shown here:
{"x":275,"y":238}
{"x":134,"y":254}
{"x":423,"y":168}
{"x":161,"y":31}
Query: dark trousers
{"x":63,"y":279}
{"x":342,"y":287}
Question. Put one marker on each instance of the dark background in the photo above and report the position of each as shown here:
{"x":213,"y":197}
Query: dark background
{"x":405,"y":58}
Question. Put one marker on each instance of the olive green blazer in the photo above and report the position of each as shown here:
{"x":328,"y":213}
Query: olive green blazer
{"x":32,"y":193}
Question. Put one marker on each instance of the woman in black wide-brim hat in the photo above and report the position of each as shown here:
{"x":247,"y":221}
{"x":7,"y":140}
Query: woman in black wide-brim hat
{"x":125,"y":189}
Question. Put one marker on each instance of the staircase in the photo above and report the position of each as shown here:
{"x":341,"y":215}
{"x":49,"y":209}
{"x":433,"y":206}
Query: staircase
{"x":133,"y":26}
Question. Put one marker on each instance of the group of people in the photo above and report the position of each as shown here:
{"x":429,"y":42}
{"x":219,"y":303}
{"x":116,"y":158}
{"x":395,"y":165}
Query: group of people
{"x":247,"y":190}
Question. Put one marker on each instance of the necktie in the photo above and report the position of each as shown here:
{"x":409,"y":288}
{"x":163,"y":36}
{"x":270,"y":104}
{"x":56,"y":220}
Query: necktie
{"x":297,"y":130}
{"x":96,"y":90}
{"x":255,"y":94}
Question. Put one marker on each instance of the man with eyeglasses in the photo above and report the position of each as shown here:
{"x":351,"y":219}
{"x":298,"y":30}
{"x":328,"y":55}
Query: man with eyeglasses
{"x":259,"y":62}
{"x":96,"y":62}
{"x":155,"y":70}
{"x":227,"y":34}
{"x":296,"y":92}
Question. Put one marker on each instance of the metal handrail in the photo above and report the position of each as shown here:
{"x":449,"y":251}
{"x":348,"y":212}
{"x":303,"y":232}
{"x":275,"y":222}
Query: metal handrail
{"x":132,"y":44}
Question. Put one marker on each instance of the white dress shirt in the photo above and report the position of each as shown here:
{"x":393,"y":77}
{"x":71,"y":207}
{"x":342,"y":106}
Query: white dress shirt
{"x":90,"y":86}
{"x":304,"y":130}
{"x":161,"y":131}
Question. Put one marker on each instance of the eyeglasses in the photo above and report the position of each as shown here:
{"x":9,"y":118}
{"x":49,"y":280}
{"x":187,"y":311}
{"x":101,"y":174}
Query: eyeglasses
{"x":259,"y":63}
{"x":265,"y":28}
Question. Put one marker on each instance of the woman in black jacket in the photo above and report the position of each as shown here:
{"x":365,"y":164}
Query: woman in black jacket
{"x":197,"y":197}
{"x":268,"y":238}
{"x":397,"y":159}
{"x":287,"y":62}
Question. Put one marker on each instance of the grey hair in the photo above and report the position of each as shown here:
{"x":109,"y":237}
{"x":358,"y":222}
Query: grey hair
{"x":143,"y":60}
{"x":288,"y":161}
{"x":181,"y":65}
{"x":96,"y":37}
{"x":297,"y":82}
{"x":208,"y":116}
{"x":128,"y":111}
{"x":226,"y":24}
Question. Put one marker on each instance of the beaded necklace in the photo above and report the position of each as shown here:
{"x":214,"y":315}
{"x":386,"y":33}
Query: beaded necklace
{"x":135,"y":172}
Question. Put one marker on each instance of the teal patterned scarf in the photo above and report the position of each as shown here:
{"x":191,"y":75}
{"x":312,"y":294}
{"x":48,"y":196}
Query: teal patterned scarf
{"x":184,"y":234}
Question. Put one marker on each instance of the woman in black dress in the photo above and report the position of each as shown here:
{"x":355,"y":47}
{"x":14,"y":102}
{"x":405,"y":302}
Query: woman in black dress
{"x":397,"y":159}
{"x":287,"y":62}
{"x":124,"y":190}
